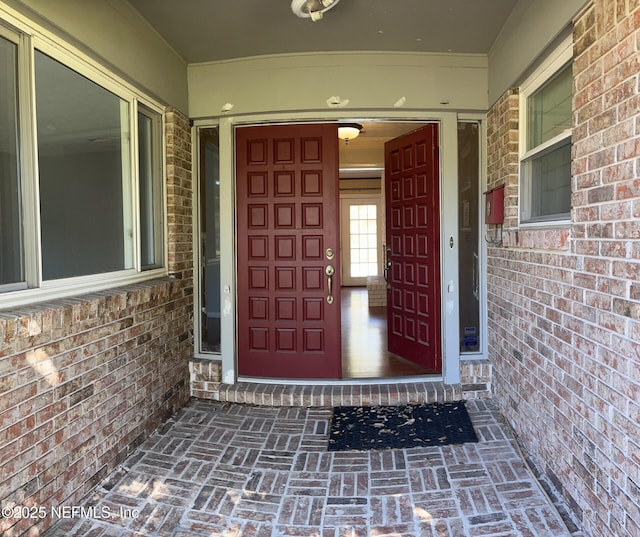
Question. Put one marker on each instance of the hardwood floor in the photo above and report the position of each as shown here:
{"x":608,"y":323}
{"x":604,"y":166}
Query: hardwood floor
{"x":364,"y":341}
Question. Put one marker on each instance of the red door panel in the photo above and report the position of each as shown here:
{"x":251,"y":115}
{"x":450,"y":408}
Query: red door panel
{"x":413,"y":237}
{"x":287,"y":207}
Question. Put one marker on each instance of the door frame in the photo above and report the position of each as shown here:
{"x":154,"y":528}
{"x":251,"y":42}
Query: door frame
{"x":448,"y":228}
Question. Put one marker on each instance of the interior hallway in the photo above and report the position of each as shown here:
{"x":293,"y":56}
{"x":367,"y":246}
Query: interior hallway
{"x":364,"y":341}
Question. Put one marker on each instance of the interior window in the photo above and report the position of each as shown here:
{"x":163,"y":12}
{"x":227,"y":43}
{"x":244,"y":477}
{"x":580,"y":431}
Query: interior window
{"x":83,"y":163}
{"x":363,"y":226}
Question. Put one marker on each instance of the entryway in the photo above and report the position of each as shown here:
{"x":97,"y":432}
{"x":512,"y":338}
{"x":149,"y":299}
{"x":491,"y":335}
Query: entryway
{"x":224,"y":303}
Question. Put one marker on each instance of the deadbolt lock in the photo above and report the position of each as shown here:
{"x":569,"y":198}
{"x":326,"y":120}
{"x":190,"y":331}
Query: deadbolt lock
{"x":329,"y":253}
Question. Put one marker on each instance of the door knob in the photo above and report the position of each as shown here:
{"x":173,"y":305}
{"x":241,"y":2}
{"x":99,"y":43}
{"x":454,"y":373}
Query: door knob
{"x":330,"y":271}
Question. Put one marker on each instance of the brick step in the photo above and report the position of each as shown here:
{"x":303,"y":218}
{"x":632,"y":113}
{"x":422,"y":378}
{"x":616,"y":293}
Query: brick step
{"x":206,"y":383}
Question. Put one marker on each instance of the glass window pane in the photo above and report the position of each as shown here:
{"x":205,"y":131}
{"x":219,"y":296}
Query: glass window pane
{"x":210,"y":225}
{"x":363,"y":241}
{"x":549,"y":109}
{"x":84,"y":167}
{"x":150,"y":188}
{"x":11,"y":249}
{"x":469,"y":235}
{"x":550,"y":182}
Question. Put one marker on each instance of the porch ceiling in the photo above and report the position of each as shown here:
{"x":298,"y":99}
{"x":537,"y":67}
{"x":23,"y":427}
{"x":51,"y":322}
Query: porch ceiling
{"x":211,"y":30}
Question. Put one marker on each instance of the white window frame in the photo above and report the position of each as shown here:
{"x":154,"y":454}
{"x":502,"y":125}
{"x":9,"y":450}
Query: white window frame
{"x":348,"y":199}
{"x":559,"y":58}
{"x":31,"y":37}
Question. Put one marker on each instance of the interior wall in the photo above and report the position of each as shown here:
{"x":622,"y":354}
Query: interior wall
{"x":84,"y":208}
{"x":10,"y":250}
{"x":119,"y":36}
{"x":368,"y":81}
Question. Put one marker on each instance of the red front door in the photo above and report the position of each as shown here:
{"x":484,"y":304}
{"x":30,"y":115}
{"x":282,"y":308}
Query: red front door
{"x":287,"y":244}
{"x":413,"y":247}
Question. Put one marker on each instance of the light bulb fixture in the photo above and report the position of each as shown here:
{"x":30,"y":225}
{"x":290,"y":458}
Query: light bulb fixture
{"x":349,"y":131}
{"x":313,"y":9}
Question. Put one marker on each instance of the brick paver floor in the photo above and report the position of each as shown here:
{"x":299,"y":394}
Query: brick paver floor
{"x":230,"y":470}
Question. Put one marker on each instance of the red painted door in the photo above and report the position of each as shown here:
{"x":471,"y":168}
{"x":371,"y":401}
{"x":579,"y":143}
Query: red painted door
{"x":287,"y":237}
{"x":413,"y":247}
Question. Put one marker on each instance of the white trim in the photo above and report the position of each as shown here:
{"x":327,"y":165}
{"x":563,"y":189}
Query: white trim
{"x":57,"y":289}
{"x":129,"y":186}
{"x":228,"y":293}
{"x":449,"y":285}
{"x":28,"y":165}
{"x":545,"y":146}
{"x":347,"y":199}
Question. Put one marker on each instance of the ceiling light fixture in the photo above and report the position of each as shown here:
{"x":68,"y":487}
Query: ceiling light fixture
{"x":348,"y":131}
{"x":313,"y":9}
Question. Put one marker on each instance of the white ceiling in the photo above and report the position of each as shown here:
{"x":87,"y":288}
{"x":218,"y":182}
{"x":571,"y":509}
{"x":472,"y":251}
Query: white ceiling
{"x":211,"y":30}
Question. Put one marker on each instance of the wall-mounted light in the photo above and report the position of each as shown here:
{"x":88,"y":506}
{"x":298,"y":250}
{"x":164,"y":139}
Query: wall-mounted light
{"x":349,"y":131}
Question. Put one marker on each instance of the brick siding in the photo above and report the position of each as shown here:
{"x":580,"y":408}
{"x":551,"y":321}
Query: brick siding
{"x":564,"y":304}
{"x":83,"y":381}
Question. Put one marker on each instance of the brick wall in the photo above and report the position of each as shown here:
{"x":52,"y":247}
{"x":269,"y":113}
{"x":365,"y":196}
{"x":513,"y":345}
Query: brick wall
{"x":564,"y":304}
{"x":84,"y":380}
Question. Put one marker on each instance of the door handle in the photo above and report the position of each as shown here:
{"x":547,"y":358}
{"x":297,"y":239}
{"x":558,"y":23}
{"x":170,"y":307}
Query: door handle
{"x":387,"y":264}
{"x":330,"y":271}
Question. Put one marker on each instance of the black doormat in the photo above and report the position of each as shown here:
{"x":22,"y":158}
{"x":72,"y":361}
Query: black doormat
{"x":405,"y":426}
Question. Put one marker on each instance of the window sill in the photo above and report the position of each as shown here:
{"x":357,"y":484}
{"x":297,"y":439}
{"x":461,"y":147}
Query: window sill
{"x":56,"y":291}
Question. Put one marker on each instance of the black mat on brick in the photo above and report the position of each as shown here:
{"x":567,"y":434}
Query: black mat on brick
{"x":404,"y":426}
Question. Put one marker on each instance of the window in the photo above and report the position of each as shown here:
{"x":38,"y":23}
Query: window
{"x":81,"y":195}
{"x":469,"y":235}
{"x":545,"y":161}
{"x":84,"y":174}
{"x":11,"y":252}
{"x":150,"y":188}
{"x":363,"y":226}
{"x":210,"y":327}
{"x":360,"y":232}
